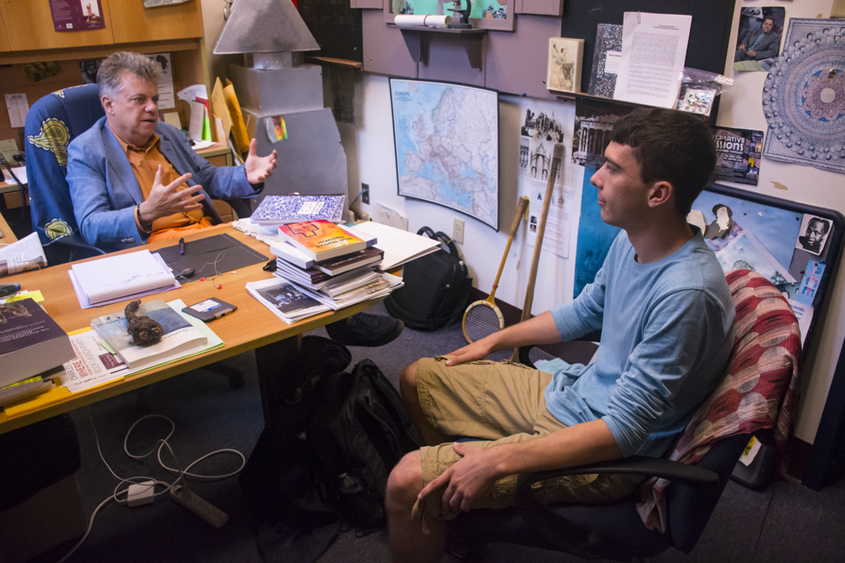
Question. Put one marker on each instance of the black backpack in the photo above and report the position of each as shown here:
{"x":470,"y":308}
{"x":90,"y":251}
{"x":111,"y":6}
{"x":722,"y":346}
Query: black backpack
{"x":358,"y":434}
{"x":331,"y":445}
{"x":436,"y":290}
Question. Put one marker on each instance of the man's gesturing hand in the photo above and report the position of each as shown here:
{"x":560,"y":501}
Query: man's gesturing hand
{"x":167,"y":200}
{"x":466,"y":480}
{"x":258,"y":168}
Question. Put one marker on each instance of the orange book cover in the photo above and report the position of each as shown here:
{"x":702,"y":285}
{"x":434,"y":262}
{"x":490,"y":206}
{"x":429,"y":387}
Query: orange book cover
{"x":321,"y":239}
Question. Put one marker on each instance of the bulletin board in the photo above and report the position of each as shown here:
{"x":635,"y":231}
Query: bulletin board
{"x":709,"y":35}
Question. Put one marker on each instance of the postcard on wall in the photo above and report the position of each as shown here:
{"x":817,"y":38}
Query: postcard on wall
{"x":594,"y":121}
{"x":758,"y":38}
{"x":166,"y":93}
{"x":564,"y":64}
{"x":654,"y":47}
{"x":738,"y":153}
{"x":77,"y":15}
{"x":815,"y":232}
{"x":538,"y":134}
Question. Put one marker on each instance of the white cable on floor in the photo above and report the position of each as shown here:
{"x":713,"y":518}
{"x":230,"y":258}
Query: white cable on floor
{"x":163,"y":442}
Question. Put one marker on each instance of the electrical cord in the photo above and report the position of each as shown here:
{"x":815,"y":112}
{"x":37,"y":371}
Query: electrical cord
{"x":157,"y":447}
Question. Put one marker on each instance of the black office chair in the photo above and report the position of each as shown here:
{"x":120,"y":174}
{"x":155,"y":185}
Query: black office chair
{"x":616,"y":531}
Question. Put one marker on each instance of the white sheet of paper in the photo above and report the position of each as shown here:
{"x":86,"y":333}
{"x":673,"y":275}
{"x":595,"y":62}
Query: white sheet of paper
{"x":558,"y":221}
{"x":191,"y":93}
{"x":166,"y":95}
{"x":612,"y":62}
{"x":197,"y":117}
{"x":20,"y":174}
{"x":17,"y":106}
{"x":654,"y":47}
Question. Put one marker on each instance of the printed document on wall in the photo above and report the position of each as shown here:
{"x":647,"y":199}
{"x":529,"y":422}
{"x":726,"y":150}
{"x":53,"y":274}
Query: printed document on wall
{"x":654,"y":47}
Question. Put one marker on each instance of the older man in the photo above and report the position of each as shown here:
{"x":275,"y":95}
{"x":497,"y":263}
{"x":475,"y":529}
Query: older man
{"x":759,"y":44}
{"x":134,"y":178}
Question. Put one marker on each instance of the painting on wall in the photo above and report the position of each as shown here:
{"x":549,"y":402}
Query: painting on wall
{"x":804,"y":96}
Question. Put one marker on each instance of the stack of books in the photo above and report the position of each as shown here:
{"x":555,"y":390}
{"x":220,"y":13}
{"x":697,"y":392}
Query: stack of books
{"x":330,"y":265}
{"x":31,"y":344}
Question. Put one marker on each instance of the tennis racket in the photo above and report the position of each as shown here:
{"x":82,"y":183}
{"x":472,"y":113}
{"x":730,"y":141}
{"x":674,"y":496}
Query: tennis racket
{"x":557,"y":160}
{"x":483,"y":318}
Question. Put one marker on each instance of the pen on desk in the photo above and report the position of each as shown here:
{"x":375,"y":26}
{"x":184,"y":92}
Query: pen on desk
{"x":181,"y":246}
{"x":7,"y":289}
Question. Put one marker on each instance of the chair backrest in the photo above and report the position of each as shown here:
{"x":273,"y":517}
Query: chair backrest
{"x":51,"y":124}
{"x":760,"y":390}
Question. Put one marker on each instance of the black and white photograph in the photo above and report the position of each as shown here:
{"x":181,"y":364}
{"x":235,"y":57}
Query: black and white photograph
{"x":814,"y":233}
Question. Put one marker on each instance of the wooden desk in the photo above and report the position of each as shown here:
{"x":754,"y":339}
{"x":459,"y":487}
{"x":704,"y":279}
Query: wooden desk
{"x":8,"y":235}
{"x":251,"y":327}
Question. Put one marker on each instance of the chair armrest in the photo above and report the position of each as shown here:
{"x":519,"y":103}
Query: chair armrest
{"x":634,"y":465}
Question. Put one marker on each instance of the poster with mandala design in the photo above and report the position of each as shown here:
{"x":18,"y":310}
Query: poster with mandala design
{"x":804,"y":96}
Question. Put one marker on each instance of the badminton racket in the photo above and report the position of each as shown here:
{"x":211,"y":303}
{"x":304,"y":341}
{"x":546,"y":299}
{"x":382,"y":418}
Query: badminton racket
{"x":557,"y":158}
{"x":483,"y":318}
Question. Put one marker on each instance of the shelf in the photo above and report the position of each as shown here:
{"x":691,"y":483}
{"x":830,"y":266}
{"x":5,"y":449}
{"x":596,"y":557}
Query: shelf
{"x":416,"y":39}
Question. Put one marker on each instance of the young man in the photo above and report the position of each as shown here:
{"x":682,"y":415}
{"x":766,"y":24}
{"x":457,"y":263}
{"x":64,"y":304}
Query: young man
{"x":666,"y":316}
{"x":133,"y":178}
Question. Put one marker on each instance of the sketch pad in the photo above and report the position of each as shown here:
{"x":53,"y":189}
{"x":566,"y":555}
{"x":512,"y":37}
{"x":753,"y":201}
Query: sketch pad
{"x":201,"y":255}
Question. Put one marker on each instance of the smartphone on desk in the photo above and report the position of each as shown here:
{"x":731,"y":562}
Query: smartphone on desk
{"x":210,"y":309}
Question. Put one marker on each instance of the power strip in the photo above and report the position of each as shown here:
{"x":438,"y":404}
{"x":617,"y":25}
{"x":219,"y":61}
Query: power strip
{"x":198,"y":506}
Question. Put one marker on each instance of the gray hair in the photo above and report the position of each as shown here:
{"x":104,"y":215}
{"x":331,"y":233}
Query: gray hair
{"x":113,"y":67}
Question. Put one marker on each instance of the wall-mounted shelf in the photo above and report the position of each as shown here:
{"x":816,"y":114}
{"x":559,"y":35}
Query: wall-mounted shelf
{"x":417,"y":38}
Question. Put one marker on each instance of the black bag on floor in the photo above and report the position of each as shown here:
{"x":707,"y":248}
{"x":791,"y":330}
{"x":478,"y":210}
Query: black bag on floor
{"x":436,"y":290}
{"x":358,"y":434}
{"x":326,"y":454}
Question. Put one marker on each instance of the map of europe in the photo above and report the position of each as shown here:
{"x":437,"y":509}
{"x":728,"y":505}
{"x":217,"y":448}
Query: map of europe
{"x":447,"y":146}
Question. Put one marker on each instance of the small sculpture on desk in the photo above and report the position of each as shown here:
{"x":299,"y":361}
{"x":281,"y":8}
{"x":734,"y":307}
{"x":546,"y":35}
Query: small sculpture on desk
{"x":143,"y":330}
{"x":464,"y":23}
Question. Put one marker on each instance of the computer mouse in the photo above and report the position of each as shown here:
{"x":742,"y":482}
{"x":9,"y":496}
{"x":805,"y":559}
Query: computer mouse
{"x":187,"y":273}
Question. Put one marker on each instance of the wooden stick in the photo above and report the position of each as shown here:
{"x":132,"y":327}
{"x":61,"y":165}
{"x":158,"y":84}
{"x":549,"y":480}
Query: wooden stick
{"x":557,"y":158}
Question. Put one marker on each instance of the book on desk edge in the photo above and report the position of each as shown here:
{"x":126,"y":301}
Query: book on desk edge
{"x":31,"y":342}
{"x":292,"y":254}
{"x":284,"y":209}
{"x":321,"y":240}
{"x":179,"y":334}
{"x":285,"y":299}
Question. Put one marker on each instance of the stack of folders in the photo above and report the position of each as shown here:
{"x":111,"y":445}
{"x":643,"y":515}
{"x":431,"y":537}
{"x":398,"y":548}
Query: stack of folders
{"x":330,"y":265}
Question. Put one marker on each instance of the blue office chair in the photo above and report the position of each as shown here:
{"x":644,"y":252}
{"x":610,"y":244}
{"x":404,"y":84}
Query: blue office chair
{"x":759,"y":391}
{"x":51,"y":124}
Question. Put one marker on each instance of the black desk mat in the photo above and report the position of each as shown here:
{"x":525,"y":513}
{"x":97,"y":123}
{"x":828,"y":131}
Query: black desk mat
{"x":210,"y":256}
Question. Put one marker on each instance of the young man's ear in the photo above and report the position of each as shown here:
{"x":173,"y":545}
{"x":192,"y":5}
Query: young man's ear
{"x":661,"y":193}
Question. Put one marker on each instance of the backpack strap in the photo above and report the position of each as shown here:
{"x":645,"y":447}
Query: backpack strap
{"x":444,"y":239}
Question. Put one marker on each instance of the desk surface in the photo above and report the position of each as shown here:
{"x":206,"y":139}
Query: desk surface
{"x":250,"y":327}
{"x":8,"y":235}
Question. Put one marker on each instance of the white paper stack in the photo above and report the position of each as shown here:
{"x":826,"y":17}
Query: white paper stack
{"x":120,"y":277}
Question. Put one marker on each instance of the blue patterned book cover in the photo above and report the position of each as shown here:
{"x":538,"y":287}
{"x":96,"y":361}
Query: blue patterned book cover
{"x":284,"y":209}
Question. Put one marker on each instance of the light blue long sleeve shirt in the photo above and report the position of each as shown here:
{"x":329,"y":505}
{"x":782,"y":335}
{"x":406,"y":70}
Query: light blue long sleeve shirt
{"x":667,"y":333}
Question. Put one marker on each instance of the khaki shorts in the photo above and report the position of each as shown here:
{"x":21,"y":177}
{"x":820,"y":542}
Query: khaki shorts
{"x":497,"y":403}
